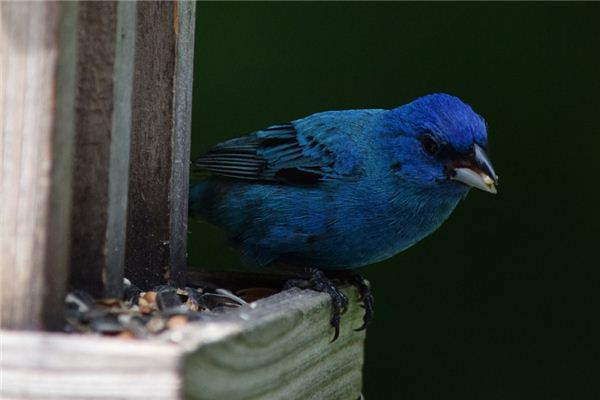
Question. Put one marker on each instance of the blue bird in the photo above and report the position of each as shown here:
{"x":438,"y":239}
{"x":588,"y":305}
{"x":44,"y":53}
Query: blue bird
{"x":338,"y":190}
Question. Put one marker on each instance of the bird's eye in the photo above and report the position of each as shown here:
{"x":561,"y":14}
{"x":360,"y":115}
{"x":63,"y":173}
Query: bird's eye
{"x":430,"y":145}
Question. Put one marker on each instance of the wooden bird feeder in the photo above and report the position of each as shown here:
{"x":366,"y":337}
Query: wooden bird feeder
{"x":94,"y":154}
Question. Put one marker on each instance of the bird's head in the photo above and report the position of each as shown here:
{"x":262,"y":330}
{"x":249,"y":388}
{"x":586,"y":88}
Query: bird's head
{"x":440,"y":142}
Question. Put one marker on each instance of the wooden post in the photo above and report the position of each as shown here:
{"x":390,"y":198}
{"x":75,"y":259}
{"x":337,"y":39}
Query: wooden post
{"x":104,"y":84}
{"x":160,"y":143}
{"x":37,"y":70}
{"x":131,"y":110}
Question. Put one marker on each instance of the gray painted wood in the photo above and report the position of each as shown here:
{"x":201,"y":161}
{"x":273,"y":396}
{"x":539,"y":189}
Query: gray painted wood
{"x":37,"y":69}
{"x":103,"y":129}
{"x":274,"y":348}
{"x":158,"y":181}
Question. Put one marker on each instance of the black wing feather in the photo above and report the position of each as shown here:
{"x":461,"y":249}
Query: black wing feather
{"x":274,"y":154}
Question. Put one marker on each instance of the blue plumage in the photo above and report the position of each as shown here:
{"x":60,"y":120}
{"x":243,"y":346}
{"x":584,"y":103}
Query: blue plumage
{"x":344,"y":189}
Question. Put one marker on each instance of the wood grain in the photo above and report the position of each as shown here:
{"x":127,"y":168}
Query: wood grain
{"x":159,"y":163}
{"x":275,"y":348}
{"x":103,"y":125}
{"x":60,"y":366}
{"x":279,"y":349}
{"x":37,"y":69}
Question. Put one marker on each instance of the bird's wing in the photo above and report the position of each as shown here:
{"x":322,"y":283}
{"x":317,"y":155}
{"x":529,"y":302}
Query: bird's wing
{"x":304,"y":152}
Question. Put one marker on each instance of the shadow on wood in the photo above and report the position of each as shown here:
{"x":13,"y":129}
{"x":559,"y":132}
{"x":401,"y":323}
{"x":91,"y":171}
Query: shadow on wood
{"x":103,"y":128}
{"x":160,"y":146}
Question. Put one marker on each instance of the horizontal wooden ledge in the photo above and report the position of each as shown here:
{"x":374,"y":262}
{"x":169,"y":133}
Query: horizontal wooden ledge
{"x":275,"y":348}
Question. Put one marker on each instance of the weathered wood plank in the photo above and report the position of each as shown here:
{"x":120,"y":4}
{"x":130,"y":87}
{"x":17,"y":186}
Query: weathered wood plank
{"x":274,"y":348}
{"x":120,"y":147}
{"x":279,"y":349}
{"x":185,"y":28}
{"x":158,"y":184}
{"x":59,"y":366}
{"x":37,"y":69}
{"x":103,"y":125}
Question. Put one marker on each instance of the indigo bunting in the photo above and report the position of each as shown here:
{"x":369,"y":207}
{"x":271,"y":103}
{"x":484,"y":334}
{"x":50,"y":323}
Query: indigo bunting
{"x":338,"y":190}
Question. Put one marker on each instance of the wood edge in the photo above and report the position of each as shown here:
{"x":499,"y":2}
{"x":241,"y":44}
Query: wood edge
{"x":214,"y":327}
{"x":274,"y":348}
{"x":175,"y":354}
{"x":184,"y":15}
{"x":222,"y":327}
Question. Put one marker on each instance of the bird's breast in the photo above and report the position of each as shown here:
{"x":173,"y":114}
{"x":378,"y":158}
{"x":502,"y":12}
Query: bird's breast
{"x":380,"y":227}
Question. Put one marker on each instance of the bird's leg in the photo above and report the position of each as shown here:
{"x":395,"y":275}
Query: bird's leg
{"x":364,"y":292}
{"x":316,"y":280}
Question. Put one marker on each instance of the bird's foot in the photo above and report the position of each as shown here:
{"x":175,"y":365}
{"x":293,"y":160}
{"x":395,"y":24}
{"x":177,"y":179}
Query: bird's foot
{"x":364,"y":293}
{"x":316,"y":280}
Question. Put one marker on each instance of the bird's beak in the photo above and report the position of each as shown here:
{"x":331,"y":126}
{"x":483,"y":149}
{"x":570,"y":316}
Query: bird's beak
{"x":476,"y":172}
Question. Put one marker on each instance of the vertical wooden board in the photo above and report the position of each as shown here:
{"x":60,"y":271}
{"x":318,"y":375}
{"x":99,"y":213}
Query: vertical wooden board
{"x":147,"y":254}
{"x":37,"y":72}
{"x":58,"y":231}
{"x":96,"y":37}
{"x":158,"y":184}
{"x":120,"y":147}
{"x":180,"y":176}
{"x":104,"y":81}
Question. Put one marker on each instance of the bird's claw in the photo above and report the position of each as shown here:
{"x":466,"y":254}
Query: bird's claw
{"x":340,"y":306}
{"x":368,"y":305}
{"x":317,"y":281}
{"x":364,"y":295}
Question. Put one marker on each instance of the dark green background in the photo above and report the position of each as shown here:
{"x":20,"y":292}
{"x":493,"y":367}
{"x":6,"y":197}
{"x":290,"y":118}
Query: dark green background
{"x":502,"y":301}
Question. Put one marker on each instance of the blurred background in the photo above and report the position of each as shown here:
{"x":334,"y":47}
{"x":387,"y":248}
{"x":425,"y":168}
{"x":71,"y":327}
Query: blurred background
{"x":502,"y":302}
